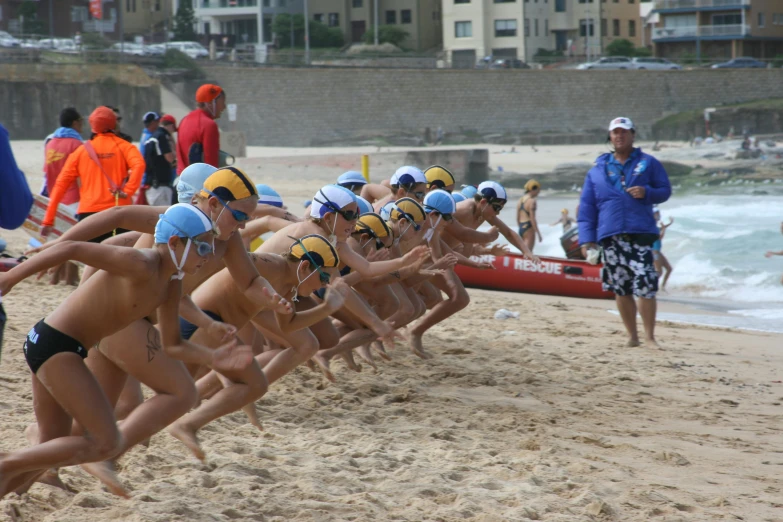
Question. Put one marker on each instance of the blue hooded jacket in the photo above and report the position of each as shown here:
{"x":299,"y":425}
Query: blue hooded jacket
{"x":606,"y":210}
{"x":15,"y":196}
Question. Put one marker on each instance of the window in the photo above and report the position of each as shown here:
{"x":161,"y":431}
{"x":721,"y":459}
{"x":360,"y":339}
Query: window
{"x":282,"y":3}
{"x":266,"y":3}
{"x":586,"y":25}
{"x":391,"y":17}
{"x":546,"y":26}
{"x":318,"y":17}
{"x":560,"y":6}
{"x":463,"y":29}
{"x":334,"y":19}
{"x":127,"y":6}
{"x":585,"y":1}
{"x":631,"y":28}
{"x":358,"y":3}
{"x":631,"y":1}
{"x":761,"y":19}
{"x":729,"y":19}
{"x":505,"y":28}
{"x":505,"y":1}
{"x":535,"y":27}
{"x":604,"y":27}
{"x":157,"y":5}
{"x":405,"y":16}
{"x":134,"y":6}
{"x":615,"y":27}
{"x":461,"y":1}
{"x":206,"y":28}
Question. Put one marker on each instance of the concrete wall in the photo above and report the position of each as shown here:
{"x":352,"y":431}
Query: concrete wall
{"x":300,"y":107}
{"x":32,"y":96}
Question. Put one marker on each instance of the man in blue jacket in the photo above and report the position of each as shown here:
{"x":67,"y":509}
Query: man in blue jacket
{"x":616,"y":211}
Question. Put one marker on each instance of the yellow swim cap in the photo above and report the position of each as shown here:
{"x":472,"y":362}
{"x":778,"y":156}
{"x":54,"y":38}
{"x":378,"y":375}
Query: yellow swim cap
{"x":532,"y":185}
{"x":374,"y":224}
{"x":316,"y":249}
{"x":229,"y":184}
{"x":408,"y":208}
{"x":439,"y":176}
{"x":564,"y":211}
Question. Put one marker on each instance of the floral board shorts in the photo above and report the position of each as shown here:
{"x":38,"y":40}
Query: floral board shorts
{"x":628,"y":267}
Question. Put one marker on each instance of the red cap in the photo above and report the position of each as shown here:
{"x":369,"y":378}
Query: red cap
{"x":207,"y":93}
{"x":168,"y":118}
{"x":102,"y":119}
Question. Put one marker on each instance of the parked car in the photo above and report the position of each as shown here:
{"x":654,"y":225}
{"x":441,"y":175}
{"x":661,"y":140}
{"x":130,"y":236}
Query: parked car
{"x":156,"y":49}
{"x":509,"y":63}
{"x":60,"y":45}
{"x":192,"y":49}
{"x":6,"y":40}
{"x":609,"y":62}
{"x":741,"y":63}
{"x":654,"y":64}
{"x":129,"y":48}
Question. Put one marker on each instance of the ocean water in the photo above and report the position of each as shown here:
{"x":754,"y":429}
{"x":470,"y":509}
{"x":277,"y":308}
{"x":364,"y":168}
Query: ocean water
{"x":716,"y":247}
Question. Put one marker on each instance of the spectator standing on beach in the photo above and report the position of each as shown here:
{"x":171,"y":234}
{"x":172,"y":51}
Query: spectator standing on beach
{"x":662,"y":265}
{"x":526,"y":214}
{"x":59,"y":146}
{"x":199,"y":138}
{"x":159,"y":158}
{"x":616,"y":211}
{"x":117,"y":131}
{"x":151,"y":122}
{"x":102,"y":165}
{"x":15,"y":200}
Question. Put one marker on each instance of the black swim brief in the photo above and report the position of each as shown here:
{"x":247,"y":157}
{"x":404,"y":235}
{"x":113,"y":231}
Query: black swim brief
{"x":44,"y":342}
{"x":187,"y":329}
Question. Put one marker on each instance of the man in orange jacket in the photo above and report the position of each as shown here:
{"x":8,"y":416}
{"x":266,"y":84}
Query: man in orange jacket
{"x":198,"y":138}
{"x":102,"y":165}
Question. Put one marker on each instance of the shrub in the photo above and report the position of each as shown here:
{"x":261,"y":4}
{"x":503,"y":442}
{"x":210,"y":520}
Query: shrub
{"x":620,"y":47}
{"x":386,"y":34}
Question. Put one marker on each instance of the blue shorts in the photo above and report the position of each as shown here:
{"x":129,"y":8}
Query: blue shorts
{"x":187,"y":329}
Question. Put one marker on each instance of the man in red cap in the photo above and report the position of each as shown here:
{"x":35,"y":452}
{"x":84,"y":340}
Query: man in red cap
{"x":102,"y":165}
{"x":199,"y":139}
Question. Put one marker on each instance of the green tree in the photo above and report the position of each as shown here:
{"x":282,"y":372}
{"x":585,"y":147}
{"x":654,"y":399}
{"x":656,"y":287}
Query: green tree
{"x":386,"y":34}
{"x":323,"y":36}
{"x":620,"y":47}
{"x":642,"y":51}
{"x":184,"y":21}
{"x":281,"y":27}
{"x":28,"y":11}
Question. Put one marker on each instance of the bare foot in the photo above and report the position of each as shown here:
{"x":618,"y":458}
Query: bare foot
{"x":380,"y":349}
{"x":323,"y":364}
{"x":252,"y":415}
{"x":416,"y":347}
{"x":310,"y":364}
{"x":232,"y":358}
{"x":348,"y":358}
{"x":188,"y":437}
{"x":366,"y":355}
{"x":652,"y":343}
{"x":52,"y":477}
{"x":632,"y":343}
{"x":104,"y":471}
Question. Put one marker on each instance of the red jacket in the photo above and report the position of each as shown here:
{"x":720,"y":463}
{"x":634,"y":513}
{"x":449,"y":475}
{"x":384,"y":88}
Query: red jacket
{"x":57,"y":151}
{"x":197,"y":127}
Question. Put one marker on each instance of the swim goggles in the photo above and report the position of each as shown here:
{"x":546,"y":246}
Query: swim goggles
{"x":348,"y":215}
{"x":325,"y":277}
{"x":203,"y":249}
{"x":239,"y":216}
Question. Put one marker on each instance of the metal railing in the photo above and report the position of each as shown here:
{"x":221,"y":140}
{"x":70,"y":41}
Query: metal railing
{"x":695,"y":4}
{"x":662,"y":33}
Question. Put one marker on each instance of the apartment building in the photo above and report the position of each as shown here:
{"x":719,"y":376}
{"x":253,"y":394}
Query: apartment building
{"x":474,"y":29}
{"x":586,"y":27}
{"x":70,"y":16}
{"x":719,"y":29}
{"x":421,"y":19}
{"x":147,"y":18}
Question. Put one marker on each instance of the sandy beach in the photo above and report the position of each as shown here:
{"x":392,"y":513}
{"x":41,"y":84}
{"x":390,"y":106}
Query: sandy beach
{"x":546,"y":417}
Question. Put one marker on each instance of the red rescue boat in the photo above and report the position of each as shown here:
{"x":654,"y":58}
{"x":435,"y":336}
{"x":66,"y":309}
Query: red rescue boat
{"x":553,"y":276}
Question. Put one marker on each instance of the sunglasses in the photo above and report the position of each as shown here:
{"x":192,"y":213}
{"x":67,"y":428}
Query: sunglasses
{"x":378,"y":241}
{"x":203,"y":249}
{"x":348,"y":215}
{"x":239,"y":216}
{"x":496,"y":207}
{"x":324,"y":277}
{"x":419,"y":194}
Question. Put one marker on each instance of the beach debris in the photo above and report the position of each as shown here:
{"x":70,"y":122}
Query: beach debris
{"x":674,"y":458}
{"x":506,"y":314}
{"x":598,"y":507}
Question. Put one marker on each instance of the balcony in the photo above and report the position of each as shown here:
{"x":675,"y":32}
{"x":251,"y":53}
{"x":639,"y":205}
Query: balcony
{"x":702,"y":31}
{"x":700,"y":5}
{"x":212,"y":4}
{"x":98,"y":26}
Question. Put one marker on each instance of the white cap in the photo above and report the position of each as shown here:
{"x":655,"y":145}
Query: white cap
{"x":492,"y":190}
{"x":408,"y":175}
{"x":329,"y":199}
{"x":621,"y":123}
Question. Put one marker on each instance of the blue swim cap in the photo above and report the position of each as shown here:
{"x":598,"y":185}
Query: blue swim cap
{"x":385,"y":212}
{"x":351,"y":177}
{"x":439,"y":201}
{"x":364,"y":205}
{"x":306,"y":203}
{"x":181,"y":220}
{"x":469,"y":191}
{"x":192,"y":179}
{"x":330,"y":198}
{"x":492,"y":190}
{"x":458,"y":196}
{"x":268,"y":196}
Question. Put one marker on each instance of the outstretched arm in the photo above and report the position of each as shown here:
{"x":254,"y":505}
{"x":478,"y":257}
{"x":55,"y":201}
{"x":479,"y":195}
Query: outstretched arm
{"x":129,"y":262}
{"x":259,"y":227}
{"x":468,"y":235}
{"x":269,"y":210}
{"x":333,"y":301}
{"x":512,"y":237}
{"x":369,"y":270}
